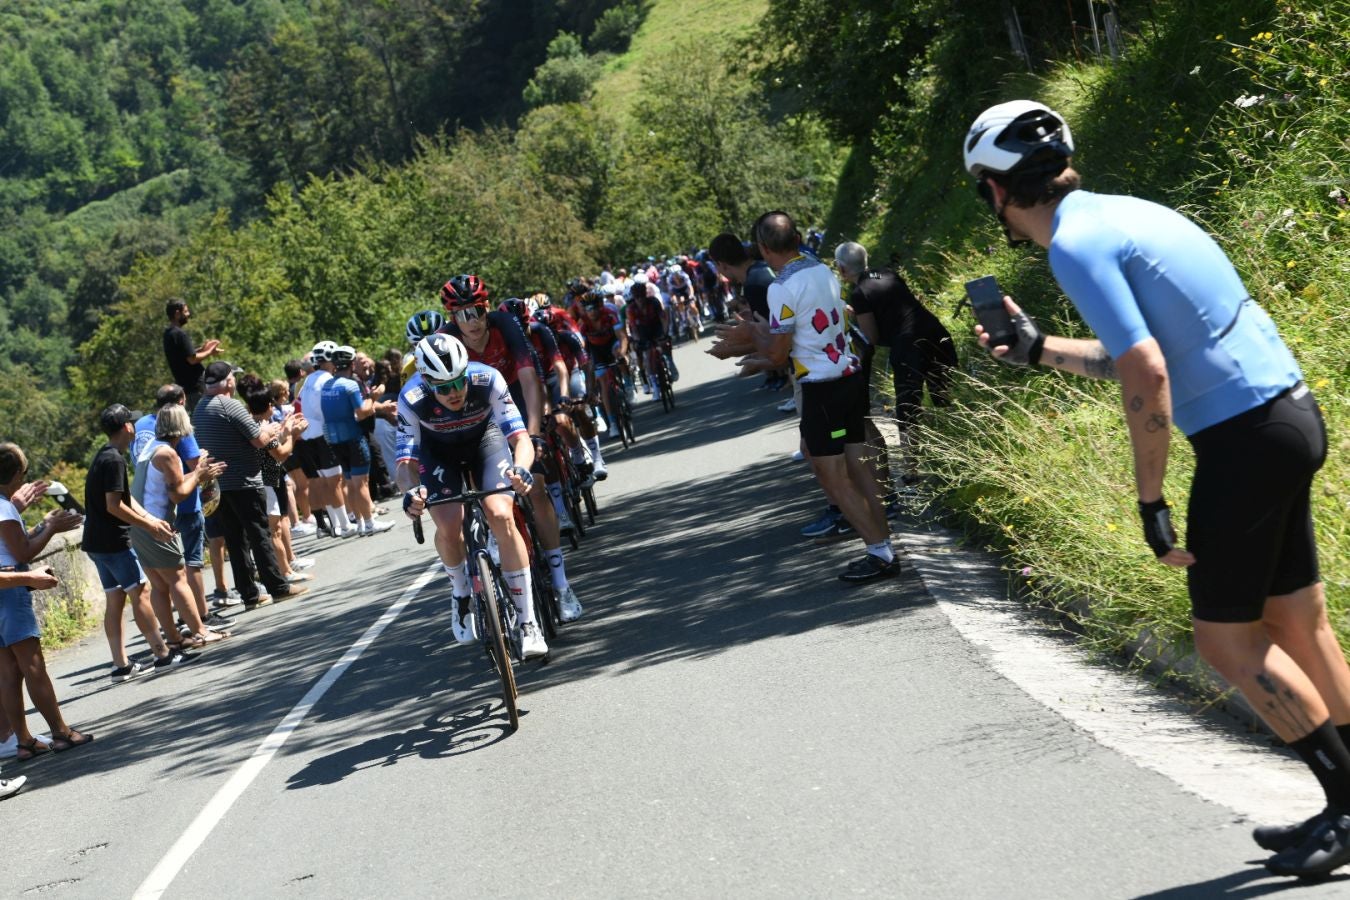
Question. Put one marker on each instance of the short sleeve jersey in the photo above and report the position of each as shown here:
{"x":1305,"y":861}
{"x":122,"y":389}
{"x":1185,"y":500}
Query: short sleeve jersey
{"x":340,"y":400}
{"x":226,"y":431}
{"x":1135,"y":270}
{"x":178,"y":352}
{"x":104,"y":532}
{"x":428,"y":429}
{"x":546,"y":348}
{"x":804,"y":302}
{"x":507,"y":349}
{"x":604,"y":330}
{"x":311,"y":403}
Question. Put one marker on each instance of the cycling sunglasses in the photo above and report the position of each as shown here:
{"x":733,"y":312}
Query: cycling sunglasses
{"x":469,"y":314}
{"x":446,"y":387}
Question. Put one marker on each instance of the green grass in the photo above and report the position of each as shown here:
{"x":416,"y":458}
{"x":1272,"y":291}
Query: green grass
{"x":707,"y":23}
{"x":1038,"y":465}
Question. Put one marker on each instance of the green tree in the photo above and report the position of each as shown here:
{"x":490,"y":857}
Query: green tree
{"x":571,"y":147}
{"x":567,"y":75}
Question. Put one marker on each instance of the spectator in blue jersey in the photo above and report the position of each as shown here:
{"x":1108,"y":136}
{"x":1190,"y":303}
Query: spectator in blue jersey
{"x":1189,"y":346}
{"x":344,"y":407}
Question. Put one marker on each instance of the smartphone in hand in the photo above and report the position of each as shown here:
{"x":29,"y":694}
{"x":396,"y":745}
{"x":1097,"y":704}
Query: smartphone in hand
{"x":986,"y":298}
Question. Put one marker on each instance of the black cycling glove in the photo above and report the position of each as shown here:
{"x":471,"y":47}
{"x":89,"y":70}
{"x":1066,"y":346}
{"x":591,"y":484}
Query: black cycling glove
{"x":523,"y":473}
{"x":1158,"y":531}
{"x":1026,"y":351}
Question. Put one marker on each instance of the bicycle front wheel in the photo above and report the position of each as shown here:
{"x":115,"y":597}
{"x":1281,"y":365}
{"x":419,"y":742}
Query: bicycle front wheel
{"x":494,"y":635}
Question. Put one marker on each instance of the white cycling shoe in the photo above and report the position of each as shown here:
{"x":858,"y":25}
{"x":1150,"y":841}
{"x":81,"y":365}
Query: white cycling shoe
{"x":462,"y":621}
{"x":568,"y":605}
{"x":532,"y":644}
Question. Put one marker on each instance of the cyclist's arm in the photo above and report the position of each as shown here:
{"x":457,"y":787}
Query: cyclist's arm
{"x":1146,"y":393}
{"x":406,"y":474}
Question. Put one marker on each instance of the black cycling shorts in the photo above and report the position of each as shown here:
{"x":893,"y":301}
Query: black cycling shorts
{"x":353,"y":456}
{"x":603,"y":355}
{"x":833,"y":413}
{"x":315,"y":454}
{"x":488,"y":460}
{"x":1249,"y":520}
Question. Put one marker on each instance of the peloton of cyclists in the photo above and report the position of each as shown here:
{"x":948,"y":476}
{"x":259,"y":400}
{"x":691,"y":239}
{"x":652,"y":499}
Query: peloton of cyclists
{"x":495,"y":338}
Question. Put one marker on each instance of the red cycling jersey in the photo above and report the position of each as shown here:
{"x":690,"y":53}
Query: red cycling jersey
{"x":506,"y":350}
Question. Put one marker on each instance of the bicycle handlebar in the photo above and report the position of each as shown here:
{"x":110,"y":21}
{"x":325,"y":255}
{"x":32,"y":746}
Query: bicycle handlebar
{"x":461,"y":497}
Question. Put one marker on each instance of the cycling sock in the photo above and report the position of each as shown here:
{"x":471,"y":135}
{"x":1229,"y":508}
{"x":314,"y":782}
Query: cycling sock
{"x":882,"y":550}
{"x":555,"y":568}
{"x":321,"y":519}
{"x":338,"y":517}
{"x":593,"y":444}
{"x":1344,"y":732}
{"x":555,"y":494}
{"x":1326,"y":755}
{"x":367,"y":524}
{"x":459,"y":579}
{"x":518,"y":583}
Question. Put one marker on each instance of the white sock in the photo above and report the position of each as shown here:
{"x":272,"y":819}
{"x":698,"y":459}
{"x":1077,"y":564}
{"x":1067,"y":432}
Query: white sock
{"x":518,"y":583}
{"x":555,"y":569}
{"x":882,"y":550}
{"x":367,"y":524}
{"x":593,"y":444}
{"x":459,"y":579}
{"x":338,"y":517}
{"x":555,"y":494}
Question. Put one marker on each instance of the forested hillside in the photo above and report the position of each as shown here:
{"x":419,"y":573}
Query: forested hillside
{"x":126,"y":126}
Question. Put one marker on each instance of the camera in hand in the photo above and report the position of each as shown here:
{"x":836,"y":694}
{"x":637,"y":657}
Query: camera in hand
{"x":61,"y":494}
{"x":986,"y":298}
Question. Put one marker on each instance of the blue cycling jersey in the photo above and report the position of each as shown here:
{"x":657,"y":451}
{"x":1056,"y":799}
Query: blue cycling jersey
{"x":340,"y":400}
{"x":1136,"y":270}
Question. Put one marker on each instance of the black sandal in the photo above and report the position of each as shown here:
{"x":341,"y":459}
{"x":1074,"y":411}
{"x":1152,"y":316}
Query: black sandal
{"x":62,"y":744}
{"x":34,"y":748}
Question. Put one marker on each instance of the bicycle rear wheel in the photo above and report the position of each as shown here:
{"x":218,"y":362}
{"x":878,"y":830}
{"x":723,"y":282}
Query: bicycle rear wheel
{"x":493,"y":634}
{"x":626,"y":420}
{"x":588,"y":494}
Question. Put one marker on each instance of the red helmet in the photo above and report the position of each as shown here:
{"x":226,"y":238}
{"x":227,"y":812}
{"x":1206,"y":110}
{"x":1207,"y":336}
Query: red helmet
{"x":464,"y":290}
{"x":517,"y":308}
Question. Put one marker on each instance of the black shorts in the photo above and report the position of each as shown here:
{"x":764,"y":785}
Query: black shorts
{"x":315,"y":454}
{"x":833,"y":413}
{"x":488,"y":461}
{"x":353,"y":456}
{"x":603,"y":355}
{"x":1249,"y":520}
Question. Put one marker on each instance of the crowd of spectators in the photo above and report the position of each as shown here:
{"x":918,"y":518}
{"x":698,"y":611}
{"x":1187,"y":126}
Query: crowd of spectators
{"x":228,"y":466}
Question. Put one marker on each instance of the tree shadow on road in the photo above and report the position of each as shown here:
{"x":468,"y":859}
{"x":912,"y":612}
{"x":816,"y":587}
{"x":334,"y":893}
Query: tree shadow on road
{"x":686,"y":570}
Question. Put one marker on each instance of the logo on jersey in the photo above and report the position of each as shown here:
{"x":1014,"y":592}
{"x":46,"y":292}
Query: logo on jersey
{"x":415,"y":394}
{"x":481,"y":378}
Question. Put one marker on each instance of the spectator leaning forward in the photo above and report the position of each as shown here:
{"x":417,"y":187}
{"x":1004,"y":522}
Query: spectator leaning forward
{"x":227,"y":431}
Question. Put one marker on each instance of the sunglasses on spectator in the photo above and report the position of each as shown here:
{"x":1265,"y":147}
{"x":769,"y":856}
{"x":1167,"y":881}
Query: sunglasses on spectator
{"x":469,"y":314}
{"x":446,"y":387}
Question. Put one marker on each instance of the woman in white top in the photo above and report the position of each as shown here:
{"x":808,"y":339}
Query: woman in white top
{"x":21,"y":657}
{"x":159,"y":486}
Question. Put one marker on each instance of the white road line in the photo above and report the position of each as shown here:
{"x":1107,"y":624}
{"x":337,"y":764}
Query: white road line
{"x":168,"y":868}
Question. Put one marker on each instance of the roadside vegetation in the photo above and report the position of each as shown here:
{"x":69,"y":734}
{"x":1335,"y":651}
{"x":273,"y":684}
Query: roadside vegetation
{"x":1235,"y":113}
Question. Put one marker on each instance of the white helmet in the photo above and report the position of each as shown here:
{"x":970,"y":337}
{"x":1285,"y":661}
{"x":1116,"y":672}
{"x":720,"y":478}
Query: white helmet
{"x":441,"y":357}
{"x":1005,"y":136}
{"x":322,"y":352}
{"x":640,"y":278}
{"x":343,"y":356}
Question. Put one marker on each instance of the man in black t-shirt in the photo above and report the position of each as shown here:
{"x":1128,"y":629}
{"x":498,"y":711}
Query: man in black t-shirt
{"x":110,"y":511}
{"x":922,"y":351}
{"x":754,"y":276}
{"x":185,"y":359}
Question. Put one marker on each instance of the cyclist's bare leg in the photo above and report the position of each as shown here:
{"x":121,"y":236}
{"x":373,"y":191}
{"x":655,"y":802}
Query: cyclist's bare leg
{"x":449,"y":521}
{"x":501,"y":519}
{"x":1297,"y":623}
{"x":545,"y":518}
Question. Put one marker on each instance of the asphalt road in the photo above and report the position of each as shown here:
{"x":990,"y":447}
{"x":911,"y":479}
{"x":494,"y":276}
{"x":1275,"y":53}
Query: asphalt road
{"x":727,"y":720}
